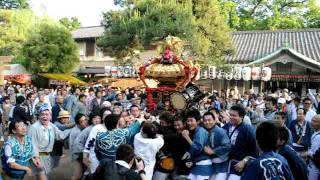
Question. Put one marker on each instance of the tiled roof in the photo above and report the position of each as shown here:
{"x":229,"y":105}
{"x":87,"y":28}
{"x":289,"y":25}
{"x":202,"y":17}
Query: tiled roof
{"x":88,"y":70}
{"x":253,"y":45}
{"x":88,"y":32}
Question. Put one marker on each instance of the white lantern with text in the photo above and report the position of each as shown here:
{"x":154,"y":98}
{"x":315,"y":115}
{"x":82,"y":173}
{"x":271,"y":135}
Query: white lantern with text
{"x":120,"y":71}
{"x":220,"y":74}
{"x":134,"y":72}
{"x":203,"y":74}
{"x":212,"y":72}
{"x":229,"y":74}
{"x":246,"y":73}
{"x":237,"y":73}
{"x":107,"y":71}
{"x":114,"y":71}
{"x":266,"y":74}
{"x":256,"y":73}
{"x":127,"y":71}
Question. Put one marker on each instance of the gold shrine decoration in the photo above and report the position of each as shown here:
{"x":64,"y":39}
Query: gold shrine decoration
{"x":173,"y":43}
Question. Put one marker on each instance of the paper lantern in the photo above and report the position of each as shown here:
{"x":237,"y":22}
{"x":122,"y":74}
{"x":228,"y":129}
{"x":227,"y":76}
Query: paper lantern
{"x":120,"y":71}
{"x":256,"y":73}
{"x":204,"y":74}
{"x":127,"y":71}
{"x":212,"y":72}
{"x":266,"y":74}
{"x":237,"y":73}
{"x":220,"y":74}
{"x":229,"y":75}
{"x":246,"y":73}
{"x":107,"y":71}
{"x":134,"y":73}
{"x":114,"y":71}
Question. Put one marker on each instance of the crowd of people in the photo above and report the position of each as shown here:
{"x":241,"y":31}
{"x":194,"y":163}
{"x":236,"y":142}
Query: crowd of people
{"x":110,"y":134}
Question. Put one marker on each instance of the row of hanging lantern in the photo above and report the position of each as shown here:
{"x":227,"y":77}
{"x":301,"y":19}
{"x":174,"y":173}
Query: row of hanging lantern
{"x":120,"y":72}
{"x":237,"y":73}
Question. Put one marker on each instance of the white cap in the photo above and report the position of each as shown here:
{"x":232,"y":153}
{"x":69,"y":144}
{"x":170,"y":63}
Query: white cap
{"x":281,"y":101}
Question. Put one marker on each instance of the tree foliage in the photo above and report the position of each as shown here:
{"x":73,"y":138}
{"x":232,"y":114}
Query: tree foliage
{"x":270,"y":14}
{"x":141,"y":22}
{"x":15,"y":26}
{"x":50,"y":49}
{"x":312,"y":15}
{"x":14,"y":4}
{"x":71,"y":24}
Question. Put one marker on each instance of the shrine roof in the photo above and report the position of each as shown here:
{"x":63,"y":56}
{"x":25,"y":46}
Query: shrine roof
{"x":254,"y":45}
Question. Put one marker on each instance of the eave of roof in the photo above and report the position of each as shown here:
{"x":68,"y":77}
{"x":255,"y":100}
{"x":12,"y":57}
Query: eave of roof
{"x":315,"y":65}
{"x":88,"y":32}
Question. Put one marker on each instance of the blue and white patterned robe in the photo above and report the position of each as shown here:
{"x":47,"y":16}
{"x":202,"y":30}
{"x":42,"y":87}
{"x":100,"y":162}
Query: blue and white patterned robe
{"x":13,"y":151}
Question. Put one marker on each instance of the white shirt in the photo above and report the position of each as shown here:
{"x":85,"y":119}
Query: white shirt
{"x":89,"y":147}
{"x":293,"y":109}
{"x":315,"y":143}
{"x":310,"y":115}
{"x":147,"y":148}
{"x":260,"y":104}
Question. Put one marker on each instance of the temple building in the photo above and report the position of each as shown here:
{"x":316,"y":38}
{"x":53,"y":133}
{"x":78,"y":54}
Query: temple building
{"x":293,"y":56}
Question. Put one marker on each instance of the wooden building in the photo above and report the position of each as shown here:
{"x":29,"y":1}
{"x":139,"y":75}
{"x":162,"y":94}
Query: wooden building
{"x":293,"y":55}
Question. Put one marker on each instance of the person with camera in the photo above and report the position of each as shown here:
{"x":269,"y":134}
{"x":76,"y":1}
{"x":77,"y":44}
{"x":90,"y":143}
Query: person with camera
{"x":126,"y":166}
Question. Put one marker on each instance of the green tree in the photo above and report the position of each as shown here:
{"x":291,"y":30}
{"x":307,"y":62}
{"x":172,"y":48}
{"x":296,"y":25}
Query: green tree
{"x":141,"y":22}
{"x":14,"y":4}
{"x":312,"y":15}
{"x":50,"y":49}
{"x":15,"y":26}
{"x":210,"y":40}
{"x":269,"y":14}
{"x":71,"y":24}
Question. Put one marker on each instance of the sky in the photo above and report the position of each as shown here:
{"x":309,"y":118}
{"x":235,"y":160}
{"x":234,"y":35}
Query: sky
{"x":89,"y":12}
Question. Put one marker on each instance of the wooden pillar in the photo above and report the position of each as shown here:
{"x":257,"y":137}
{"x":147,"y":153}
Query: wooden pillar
{"x":212,"y":85}
{"x":4,"y":65}
{"x":2,"y":68}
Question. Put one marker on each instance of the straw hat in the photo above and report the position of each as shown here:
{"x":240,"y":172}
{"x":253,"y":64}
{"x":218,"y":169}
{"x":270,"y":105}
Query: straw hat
{"x":64,"y":114}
